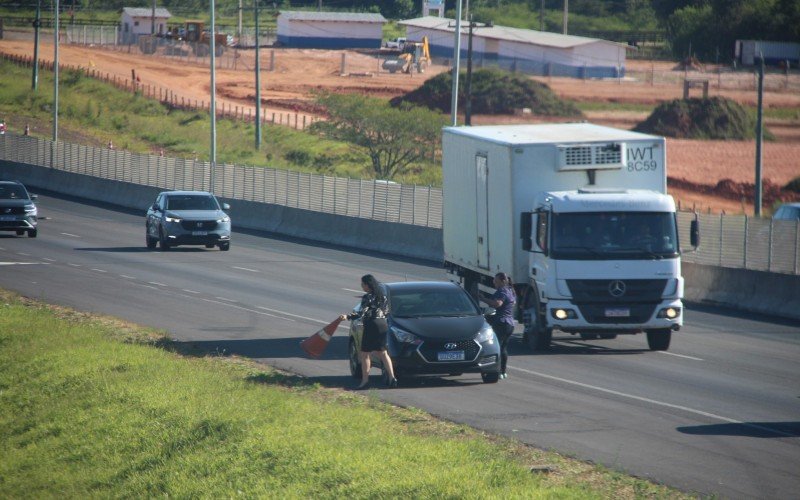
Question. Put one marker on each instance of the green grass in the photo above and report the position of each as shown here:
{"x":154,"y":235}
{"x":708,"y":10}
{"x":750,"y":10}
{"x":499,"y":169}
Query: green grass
{"x":94,"y":407}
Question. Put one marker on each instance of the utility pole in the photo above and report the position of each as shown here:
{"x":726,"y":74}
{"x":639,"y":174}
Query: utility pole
{"x":456,"y":57}
{"x":239,"y":25}
{"x":468,"y":100}
{"x":759,"y":135}
{"x":213,"y":49}
{"x":36,"y":24}
{"x":55,"y":86}
{"x":541,"y":16}
{"x":153,"y":20}
{"x":258,"y":85}
{"x":566,"y":15}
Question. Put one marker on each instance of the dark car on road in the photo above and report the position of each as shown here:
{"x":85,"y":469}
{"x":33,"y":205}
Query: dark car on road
{"x":17,"y":211}
{"x":435,"y":328}
{"x":187,"y":218}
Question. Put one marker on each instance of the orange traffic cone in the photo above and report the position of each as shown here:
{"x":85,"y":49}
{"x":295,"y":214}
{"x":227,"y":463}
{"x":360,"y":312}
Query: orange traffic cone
{"x":315,"y":345}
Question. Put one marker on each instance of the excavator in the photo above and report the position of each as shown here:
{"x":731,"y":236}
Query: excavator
{"x":414,"y":55}
{"x":194,"y":34}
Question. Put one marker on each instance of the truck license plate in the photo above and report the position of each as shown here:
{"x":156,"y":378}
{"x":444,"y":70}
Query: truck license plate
{"x":618,"y":312}
{"x":199,"y":233}
{"x":450,"y":356}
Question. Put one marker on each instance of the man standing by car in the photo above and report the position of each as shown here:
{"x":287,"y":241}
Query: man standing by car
{"x":502,"y":301}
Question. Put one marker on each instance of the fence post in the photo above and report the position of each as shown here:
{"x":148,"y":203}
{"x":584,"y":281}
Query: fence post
{"x":719,"y":263}
{"x":796,"y":243}
{"x":428,"y":218}
{"x":769,"y":249}
{"x":744,"y":259}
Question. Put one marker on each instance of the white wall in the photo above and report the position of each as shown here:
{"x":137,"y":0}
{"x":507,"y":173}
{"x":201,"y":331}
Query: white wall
{"x":144,"y":25}
{"x":329,"y":29}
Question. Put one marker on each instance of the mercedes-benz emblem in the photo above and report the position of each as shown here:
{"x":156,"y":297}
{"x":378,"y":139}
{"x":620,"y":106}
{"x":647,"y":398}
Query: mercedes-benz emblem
{"x":616,"y":288}
{"x":450,"y":346}
{"x":199,"y":224}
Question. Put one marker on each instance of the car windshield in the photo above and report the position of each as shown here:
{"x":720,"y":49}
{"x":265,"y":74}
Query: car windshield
{"x":192,"y":202}
{"x":431,"y":303}
{"x":614,"y":235}
{"x":12,"y":192}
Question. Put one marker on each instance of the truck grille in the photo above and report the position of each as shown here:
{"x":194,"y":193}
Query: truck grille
{"x":430,"y":348}
{"x":616,"y":291}
{"x":596,"y":313}
{"x":199,"y":225}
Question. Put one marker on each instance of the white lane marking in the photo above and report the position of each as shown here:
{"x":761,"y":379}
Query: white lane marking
{"x":25,"y":254}
{"x":190,"y":291}
{"x":298,"y":316}
{"x":71,"y":235}
{"x":351,"y":290}
{"x":147,"y":286}
{"x":156,"y":283}
{"x":73,"y":265}
{"x":99,"y":270}
{"x":2,"y":248}
{"x":246,"y":269}
{"x":654,"y":402}
{"x":127,"y":277}
{"x":48,"y":260}
{"x":680,"y":355}
{"x":224,"y":299}
{"x":242,"y":308}
{"x":19,"y":263}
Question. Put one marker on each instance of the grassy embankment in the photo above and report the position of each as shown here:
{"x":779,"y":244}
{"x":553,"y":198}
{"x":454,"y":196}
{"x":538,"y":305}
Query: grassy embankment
{"x":92,"y":406}
{"x":94,"y":113}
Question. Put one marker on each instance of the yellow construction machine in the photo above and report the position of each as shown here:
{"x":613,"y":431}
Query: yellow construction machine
{"x":200,"y":38}
{"x":414,"y":55}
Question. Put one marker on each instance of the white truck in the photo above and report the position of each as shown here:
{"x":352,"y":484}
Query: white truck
{"x":578,"y":215}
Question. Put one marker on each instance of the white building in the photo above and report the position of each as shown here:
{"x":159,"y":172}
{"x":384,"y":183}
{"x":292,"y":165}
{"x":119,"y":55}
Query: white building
{"x":529,"y":51}
{"x":330,"y":30}
{"x":139,"y":21}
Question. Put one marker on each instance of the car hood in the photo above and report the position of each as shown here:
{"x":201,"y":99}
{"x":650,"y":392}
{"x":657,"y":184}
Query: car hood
{"x":15,"y":203}
{"x":196,"y":214}
{"x":441,"y":328}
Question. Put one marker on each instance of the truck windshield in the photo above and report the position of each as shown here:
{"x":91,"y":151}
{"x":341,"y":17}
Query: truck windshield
{"x":614,"y":235}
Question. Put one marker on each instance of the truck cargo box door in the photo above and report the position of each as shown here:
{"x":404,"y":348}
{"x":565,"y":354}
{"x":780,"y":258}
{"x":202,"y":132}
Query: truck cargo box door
{"x":482,"y":199}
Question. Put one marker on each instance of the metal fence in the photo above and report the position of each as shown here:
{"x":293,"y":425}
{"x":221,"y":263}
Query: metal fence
{"x":734,"y":241}
{"x":368,"y":199}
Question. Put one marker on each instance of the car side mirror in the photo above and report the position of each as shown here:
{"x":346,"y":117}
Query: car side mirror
{"x":225,"y":206}
{"x":154,"y":207}
{"x":526,"y":230}
{"x":694,"y":233}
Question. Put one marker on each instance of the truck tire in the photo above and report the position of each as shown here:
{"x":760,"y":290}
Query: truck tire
{"x":536,"y":335}
{"x":658,"y":340}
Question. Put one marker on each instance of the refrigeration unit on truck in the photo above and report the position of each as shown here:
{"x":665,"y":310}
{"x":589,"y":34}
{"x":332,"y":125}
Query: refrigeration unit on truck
{"x":578,"y":215}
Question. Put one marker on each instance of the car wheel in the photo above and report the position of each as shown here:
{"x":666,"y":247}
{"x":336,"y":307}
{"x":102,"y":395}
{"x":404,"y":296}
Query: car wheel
{"x":589,"y":336}
{"x":162,"y":240}
{"x":658,"y":340}
{"x":490,"y":377}
{"x":151,"y":242}
{"x":355,"y":365}
{"x":20,"y":232}
{"x":32,"y":233}
{"x":225,"y":246}
{"x":209,"y":245}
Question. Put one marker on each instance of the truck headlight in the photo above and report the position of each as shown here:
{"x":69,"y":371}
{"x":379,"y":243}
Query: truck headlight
{"x":486,"y":334}
{"x":669,"y":312}
{"x":404,"y":336}
{"x":167,"y":218}
{"x":563,"y":314}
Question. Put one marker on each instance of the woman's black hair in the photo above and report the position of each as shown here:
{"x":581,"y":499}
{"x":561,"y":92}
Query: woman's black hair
{"x":505,"y":278}
{"x":374,"y":285}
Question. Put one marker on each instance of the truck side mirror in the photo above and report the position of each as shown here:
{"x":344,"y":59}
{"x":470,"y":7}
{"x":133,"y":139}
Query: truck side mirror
{"x":694,"y":233}
{"x":526,"y":230}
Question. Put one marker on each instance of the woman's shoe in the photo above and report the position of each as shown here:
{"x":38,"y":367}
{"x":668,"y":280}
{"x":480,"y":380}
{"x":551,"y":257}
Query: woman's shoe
{"x":363,"y":385}
{"x":392,"y":383}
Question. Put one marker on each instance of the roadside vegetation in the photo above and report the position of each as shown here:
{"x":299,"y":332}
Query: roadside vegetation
{"x":92,"y":406}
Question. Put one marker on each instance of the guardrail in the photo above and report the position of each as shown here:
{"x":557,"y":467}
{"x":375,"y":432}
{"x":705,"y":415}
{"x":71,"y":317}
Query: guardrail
{"x":732,"y":241}
{"x":367,"y":199}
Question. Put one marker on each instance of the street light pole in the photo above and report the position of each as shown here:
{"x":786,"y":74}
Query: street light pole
{"x":468,"y":100}
{"x":258,"y":85}
{"x":55,"y":81}
{"x":456,"y":57}
{"x":36,"y":24}
{"x":759,"y":136}
{"x":213,"y":49}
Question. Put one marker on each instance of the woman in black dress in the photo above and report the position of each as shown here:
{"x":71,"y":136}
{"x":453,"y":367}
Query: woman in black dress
{"x":374,"y":305}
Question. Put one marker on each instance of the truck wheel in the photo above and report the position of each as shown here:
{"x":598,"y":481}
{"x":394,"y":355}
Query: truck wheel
{"x":536,"y":335}
{"x":658,"y":340}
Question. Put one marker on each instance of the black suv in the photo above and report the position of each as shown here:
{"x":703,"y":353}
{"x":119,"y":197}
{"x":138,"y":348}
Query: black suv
{"x":17,"y":210}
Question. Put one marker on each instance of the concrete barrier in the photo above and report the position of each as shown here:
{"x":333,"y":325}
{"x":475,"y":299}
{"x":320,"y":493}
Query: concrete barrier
{"x":756,"y":291}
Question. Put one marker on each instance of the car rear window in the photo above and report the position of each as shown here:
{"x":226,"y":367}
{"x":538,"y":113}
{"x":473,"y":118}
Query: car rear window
{"x":431,"y":303}
{"x":191,"y":202}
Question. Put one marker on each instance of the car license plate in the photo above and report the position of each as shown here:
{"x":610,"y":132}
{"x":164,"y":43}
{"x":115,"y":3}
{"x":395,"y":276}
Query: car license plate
{"x":7,"y":217}
{"x":618,"y":312}
{"x":199,"y":233}
{"x":450,"y":356}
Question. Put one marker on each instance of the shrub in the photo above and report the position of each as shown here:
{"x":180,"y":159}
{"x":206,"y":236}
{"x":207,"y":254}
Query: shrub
{"x":793,"y":185}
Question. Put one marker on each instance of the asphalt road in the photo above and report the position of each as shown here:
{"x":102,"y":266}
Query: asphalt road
{"x":719,"y":413}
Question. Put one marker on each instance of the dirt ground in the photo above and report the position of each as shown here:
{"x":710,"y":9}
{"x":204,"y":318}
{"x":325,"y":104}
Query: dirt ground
{"x":298,"y":73}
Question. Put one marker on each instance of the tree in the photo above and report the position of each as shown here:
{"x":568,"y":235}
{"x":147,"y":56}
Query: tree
{"x":393,"y":137}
